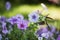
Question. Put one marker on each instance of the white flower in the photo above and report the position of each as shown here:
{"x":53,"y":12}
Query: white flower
{"x":44,"y":6}
{"x":33,"y":17}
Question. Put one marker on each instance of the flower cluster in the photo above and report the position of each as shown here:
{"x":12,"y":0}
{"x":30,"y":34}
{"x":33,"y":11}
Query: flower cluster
{"x":8,"y":24}
{"x":48,"y":33}
{"x":18,"y":28}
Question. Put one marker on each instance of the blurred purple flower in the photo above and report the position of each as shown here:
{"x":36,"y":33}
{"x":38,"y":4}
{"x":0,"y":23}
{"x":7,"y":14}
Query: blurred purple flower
{"x":52,"y":28}
{"x":8,"y":5}
{"x":33,"y":17}
{"x":44,"y":32}
{"x":57,"y":32}
{"x":58,"y":38}
{"x":3,"y":24}
{"x":12,"y":20}
{"x":45,"y":35}
{"x":40,"y":31}
{"x":2,"y":19}
{"x":4,"y":29}
{"x":50,"y":34}
{"x":15,"y":19}
{"x":23,"y":24}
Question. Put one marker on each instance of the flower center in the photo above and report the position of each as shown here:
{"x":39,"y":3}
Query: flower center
{"x":2,"y":19}
{"x":7,"y":5}
{"x":22,"y":25}
{"x":19,"y":17}
{"x":33,"y":16}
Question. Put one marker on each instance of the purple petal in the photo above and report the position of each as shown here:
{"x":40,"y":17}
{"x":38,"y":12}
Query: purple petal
{"x":12,"y":20}
{"x":5,"y":31}
{"x":58,"y":38}
{"x":52,"y":28}
{"x":45,"y":30}
{"x":2,"y":19}
{"x":40,"y":31}
{"x":3,"y":25}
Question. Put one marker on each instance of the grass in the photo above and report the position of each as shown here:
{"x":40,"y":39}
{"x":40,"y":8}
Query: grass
{"x":54,"y":12}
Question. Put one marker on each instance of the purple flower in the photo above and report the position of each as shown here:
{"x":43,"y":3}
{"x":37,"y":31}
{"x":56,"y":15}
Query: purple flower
{"x":57,"y":32}
{"x":50,"y":34}
{"x":52,"y":28}
{"x":3,"y":24}
{"x":8,"y":5}
{"x":2,"y":19}
{"x":58,"y":38}
{"x":12,"y":20}
{"x":33,"y":17}
{"x":23,"y":24}
{"x":4,"y":29}
{"x":15,"y":19}
{"x":40,"y":31}
{"x":45,"y":35}
{"x":44,"y":32}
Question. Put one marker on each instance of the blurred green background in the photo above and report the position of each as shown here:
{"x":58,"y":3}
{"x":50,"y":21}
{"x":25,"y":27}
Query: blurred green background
{"x":27,"y":6}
